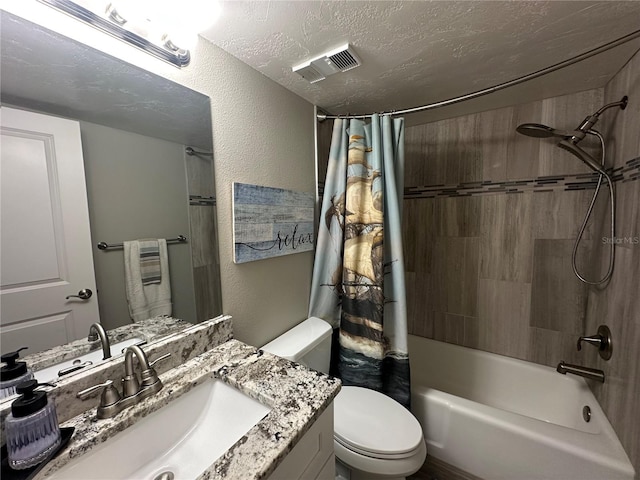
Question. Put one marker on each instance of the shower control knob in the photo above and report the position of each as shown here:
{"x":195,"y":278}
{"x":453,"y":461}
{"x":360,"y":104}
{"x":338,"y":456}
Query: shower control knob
{"x":84,"y":294}
{"x":602,"y":340}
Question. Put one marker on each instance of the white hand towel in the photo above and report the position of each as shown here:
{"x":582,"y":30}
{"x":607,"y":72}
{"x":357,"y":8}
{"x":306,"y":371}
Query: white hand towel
{"x":146,"y":301}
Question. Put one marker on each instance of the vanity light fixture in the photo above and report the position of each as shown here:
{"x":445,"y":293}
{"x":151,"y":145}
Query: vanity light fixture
{"x":128,"y":21}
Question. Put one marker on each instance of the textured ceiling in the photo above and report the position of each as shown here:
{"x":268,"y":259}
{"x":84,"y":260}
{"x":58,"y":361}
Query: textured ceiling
{"x":418,"y":52}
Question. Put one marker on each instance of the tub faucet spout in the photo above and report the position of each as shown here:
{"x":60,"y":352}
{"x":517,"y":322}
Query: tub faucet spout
{"x":586,"y":372}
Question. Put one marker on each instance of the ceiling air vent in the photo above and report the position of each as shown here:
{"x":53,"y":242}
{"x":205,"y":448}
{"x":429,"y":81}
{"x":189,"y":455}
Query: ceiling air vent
{"x":341,"y":59}
{"x":344,"y":60}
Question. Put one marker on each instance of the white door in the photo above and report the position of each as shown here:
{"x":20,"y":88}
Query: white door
{"x":45,"y":242}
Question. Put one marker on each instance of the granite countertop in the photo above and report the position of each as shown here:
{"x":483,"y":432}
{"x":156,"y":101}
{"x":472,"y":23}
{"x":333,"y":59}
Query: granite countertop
{"x":149,"y":330}
{"x":296,"y":395}
{"x":185,"y":344}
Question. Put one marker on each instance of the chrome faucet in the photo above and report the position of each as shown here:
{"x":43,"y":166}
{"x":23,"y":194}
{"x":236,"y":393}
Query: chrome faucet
{"x":133,"y":391}
{"x":96,"y":331}
{"x":586,"y":372}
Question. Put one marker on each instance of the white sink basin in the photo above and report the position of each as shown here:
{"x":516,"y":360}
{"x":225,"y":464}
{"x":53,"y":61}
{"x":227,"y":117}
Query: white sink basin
{"x":184,"y":438}
{"x":50,"y":374}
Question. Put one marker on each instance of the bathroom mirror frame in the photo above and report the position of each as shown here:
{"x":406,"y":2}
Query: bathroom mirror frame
{"x":47,"y":72}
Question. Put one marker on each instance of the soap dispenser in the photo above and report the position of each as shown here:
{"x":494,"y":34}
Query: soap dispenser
{"x":13,"y":373}
{"x":32,"y":429}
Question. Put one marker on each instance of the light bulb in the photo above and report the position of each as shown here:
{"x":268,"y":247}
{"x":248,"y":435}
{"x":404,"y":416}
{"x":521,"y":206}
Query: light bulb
{"x":168,"y":21}
{"x":183,"y":25}
{"x":182,"y":39}
{"x":133,"y":11}
{"x":96,"y":6}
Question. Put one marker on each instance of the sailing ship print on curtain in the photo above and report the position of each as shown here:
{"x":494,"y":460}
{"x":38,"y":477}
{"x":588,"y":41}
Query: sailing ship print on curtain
{"x":358,"y":278}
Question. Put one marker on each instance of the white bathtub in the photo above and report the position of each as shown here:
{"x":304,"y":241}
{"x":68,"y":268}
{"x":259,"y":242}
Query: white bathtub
{"x":501,"y":418}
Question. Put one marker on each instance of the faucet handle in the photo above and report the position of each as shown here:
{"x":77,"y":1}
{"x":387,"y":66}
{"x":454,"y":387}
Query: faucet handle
{"x":138,"y":344}
{"x":150,"y":377}
{"x":86,"y":393}
{"x":109,"y":395}
{"x":162,"y":357}
{"x":602,"y":340}
{"x":595,"y":340}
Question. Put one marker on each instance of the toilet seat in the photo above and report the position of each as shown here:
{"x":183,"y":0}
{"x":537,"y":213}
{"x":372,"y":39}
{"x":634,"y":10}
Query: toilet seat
{"x":377,"y":455}
{"x":371,"y":424}
{"x":394,"y":468}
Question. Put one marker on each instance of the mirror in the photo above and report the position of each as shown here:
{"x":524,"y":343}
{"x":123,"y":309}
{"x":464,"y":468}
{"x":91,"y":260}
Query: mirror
{"x":128,"y":119}
{"x":55,"y":364}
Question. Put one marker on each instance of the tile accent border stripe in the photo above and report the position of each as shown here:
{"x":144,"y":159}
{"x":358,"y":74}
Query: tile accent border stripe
{"x":630,"y":171}
{"x":587,"y":181}
{"x":200,"y":200}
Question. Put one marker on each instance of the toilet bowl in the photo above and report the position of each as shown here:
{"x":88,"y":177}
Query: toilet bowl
{"x":374,"y":436}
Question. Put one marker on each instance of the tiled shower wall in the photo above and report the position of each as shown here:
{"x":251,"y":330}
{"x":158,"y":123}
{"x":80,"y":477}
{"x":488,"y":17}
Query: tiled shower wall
{"x":203,"y":236}
{"x":490,"y":221}
{"x":489,"y":227}
{"x":618,"y":305}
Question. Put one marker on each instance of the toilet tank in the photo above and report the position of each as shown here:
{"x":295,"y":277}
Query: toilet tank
{"x":308,"y":343}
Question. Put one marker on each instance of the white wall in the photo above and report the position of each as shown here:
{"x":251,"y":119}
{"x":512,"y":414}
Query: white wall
{"x":262,"y":134}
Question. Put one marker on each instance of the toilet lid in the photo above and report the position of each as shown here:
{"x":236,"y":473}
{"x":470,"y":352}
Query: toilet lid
{"x":369,"y":422}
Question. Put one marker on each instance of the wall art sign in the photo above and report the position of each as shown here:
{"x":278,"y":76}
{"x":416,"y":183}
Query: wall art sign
{"x":270,"y":222}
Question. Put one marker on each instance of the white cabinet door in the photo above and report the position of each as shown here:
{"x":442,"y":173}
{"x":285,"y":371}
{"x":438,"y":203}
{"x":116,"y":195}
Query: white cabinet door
{"x":45,"y":241}
{"x":312,"y":458}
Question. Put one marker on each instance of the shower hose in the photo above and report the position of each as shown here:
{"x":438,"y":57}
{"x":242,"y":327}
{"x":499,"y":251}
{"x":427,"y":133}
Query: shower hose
{"x":588,"y":215}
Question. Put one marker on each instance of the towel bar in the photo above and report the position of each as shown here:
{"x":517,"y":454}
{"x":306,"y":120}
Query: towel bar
{"x":105,"y":246}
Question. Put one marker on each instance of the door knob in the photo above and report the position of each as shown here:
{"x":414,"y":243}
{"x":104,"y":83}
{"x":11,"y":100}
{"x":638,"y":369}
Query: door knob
{"x":84,"y":294}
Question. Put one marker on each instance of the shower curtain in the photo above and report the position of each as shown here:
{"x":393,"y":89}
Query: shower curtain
{"x":358,"y":277}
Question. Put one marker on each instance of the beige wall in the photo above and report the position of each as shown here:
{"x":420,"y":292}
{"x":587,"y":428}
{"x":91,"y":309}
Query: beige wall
{"x":262,"y":134}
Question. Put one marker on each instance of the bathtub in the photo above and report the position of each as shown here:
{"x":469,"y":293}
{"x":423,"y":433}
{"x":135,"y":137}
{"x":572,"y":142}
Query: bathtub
{"x":501,"y":418}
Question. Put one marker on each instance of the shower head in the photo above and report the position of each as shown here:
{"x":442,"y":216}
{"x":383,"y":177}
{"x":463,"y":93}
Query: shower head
{"x":540,"y":131}
{"x":571,"y":147}
{"x":570,"y":140}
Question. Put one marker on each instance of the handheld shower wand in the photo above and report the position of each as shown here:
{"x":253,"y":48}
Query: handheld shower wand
{"x":569,"y":142}
{"x":582,"y":155}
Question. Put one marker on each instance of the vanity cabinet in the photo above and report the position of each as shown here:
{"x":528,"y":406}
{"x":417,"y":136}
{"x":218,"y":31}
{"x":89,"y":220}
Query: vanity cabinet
{"x":312,"y":458}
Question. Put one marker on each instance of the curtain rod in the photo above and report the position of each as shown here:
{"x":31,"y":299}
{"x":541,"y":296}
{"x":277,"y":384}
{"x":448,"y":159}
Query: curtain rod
{"x":500,"y":86}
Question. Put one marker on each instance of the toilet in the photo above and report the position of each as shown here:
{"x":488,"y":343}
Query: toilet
{"x":374,"y":436}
